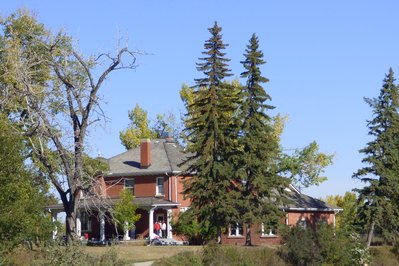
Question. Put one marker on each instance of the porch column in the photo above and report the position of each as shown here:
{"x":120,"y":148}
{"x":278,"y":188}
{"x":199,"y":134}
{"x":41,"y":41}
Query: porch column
{"x":102,"y":227}
{"x":126,"y":232}
{"x":54,"y":219}
{"x":169,"y":225}
{"x":78,"y":225}
{"x":151,"y":222}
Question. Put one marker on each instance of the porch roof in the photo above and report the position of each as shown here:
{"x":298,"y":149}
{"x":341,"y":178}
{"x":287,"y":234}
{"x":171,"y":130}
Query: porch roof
{"x":141,"y":202}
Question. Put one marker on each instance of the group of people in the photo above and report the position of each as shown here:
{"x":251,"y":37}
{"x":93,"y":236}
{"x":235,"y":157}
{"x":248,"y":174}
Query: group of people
{"x":160,"y":229}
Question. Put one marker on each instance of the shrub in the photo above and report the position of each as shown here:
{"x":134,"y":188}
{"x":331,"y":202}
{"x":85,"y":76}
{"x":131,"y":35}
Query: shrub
{"x":72,"y":255}
{"x":217,"y":255}
{"x":322,"y":245}
{"x":186,"y":224}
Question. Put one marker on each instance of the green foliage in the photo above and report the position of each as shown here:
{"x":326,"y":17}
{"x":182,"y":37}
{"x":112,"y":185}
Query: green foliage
{"x":75,"y":255}
{"x":321,"y":246}
{"x":137,"y":130}
{"x":125,"y":210}
{"x":380,"y":196}
{"x":187,"y":225}
{"x":256,"y":163}
{"x":22,"y":198}
{"x":50,"y":91}
{"x":140,"y":127}
{"x":224,"y":255}
{"x":306,"y":165}
{"x":211,"y":134}
{"x":347,"y":218}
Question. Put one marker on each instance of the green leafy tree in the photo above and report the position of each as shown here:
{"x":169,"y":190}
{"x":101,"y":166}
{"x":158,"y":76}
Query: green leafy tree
{"x":50,"y":91}
{"x":22,"y":198}
{"x":322,"y":246}
{"x":257,"y":163}
{"x":138,"y":129}
{"x":347,"y":218}
{"x":210,"y":134}
{"x":188,"y":226}
{"x":141,"y":127}
{"x":125,"y":211}
{"x":305,"y":166}
{"x":380,"y":196}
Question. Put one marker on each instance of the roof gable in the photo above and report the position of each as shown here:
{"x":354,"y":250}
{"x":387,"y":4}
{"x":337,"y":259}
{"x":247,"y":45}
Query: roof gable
{"x":165,"y":158}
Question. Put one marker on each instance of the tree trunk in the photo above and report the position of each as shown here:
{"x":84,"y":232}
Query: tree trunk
{"x":248,"y":241}
{"x":219,"y":235}
{"x":70,"y":208}
{"x":116,"y":230}
{"x":370,"y":234}
{"x":70,"y":227}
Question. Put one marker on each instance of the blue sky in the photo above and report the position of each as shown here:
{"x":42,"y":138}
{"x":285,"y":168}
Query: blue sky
{"x":322,"y":58}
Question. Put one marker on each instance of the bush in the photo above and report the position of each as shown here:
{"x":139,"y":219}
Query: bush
{"x":186,"y":224}
{"x":395,"y":249}
{"x":322,"y":246}
{"x":74,"y":255}
{"x":217,"y":255}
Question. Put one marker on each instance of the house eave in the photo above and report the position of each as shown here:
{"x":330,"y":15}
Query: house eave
{"x":313,"y":209}
{"x":137,"y":173}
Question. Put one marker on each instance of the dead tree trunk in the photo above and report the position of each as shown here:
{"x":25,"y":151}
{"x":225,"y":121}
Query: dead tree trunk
{"x":248,"y":241}
{"x":370,"y":234}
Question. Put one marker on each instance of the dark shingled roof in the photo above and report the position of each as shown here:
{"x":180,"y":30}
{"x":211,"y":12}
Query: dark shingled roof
{"x":301,"y":202}
{"x":165,"y":157}
{"x":141,"y":202}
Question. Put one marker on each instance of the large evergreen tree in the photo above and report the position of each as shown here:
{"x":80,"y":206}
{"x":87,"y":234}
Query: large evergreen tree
{"x":210,"y":131}
{"x":257,"y":162}
{"x":381,"y":173}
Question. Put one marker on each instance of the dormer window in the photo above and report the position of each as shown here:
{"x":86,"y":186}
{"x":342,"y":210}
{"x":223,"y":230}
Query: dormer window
{"x":129,"y":184}
{"x":159,"y":190}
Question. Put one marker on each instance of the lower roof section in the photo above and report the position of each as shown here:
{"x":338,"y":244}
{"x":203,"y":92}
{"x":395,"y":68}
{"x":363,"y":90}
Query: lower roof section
{"x":141,"y":202}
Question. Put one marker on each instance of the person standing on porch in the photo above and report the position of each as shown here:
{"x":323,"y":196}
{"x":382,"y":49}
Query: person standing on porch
{"x":163,"y":227}
{"x":157,"y":228}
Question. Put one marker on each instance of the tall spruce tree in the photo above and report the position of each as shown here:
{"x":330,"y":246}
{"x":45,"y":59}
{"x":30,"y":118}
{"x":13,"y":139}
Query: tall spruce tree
{"x":256,"y":166}
{"x":381,"y":173}
{"x":210,"y":131}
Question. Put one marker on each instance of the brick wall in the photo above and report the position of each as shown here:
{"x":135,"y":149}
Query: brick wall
{"x":144,"y":186}
{"x":311,"y":218}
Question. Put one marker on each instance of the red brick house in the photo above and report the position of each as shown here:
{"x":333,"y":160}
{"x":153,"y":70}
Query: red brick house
{"x":152,"y":173}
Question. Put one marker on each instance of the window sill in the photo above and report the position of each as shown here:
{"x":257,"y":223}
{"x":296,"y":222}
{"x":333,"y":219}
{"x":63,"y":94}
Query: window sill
{"x":269,"y":236}
{"x":235,"y":237}
{"x":159,"y":195}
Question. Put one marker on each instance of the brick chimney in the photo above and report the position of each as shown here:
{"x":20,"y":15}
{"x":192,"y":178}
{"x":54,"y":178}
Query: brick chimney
{"x":145,"y":153}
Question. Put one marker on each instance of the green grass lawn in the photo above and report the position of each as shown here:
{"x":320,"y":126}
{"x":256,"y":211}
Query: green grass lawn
{"x":143,"y":253}
{"x":382,"y":256}
{"x":169,"y":255}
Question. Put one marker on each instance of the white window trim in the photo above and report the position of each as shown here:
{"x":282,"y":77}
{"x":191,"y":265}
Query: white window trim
{"x":124,"y":183}
{"x":237,"y":231}
{"x":268,"y":233}
{"x":85,"y":219}
{"x":157,"y":188}
{"x":184,"y":209}
{"x":304,"y":221}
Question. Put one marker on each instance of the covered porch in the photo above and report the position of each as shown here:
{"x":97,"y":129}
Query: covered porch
{"x":95,"y":223}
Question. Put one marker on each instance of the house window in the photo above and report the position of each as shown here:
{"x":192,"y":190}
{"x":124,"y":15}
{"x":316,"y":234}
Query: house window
{"x":302,"y":223}
{"x":85,"y":222}
{"x":184,"y":209}
{"x":159,"y":187}
{"x":129,"y":184}
{"x":236,"y":230}
{"x":322,"y":221}
{"x":268,"y":231}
